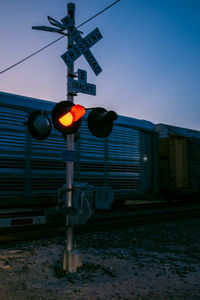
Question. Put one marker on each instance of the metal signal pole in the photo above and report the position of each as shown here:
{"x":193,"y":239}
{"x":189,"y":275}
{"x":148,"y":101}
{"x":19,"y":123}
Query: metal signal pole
{"x":82,"y":208}
{"x":68,"y":265}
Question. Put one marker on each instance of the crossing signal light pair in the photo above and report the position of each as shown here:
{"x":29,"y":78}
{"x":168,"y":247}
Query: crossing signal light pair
{"x":67,"y":118}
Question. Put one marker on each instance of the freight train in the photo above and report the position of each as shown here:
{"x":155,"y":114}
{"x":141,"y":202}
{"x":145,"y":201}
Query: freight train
{"x":138,"y":160}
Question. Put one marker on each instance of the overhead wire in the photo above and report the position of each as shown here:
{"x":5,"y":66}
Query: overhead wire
{"x":53,"y":42}
{"x":34,"y":53}
{"x":109,"y":6}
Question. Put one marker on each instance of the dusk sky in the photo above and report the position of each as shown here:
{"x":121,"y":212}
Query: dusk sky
{"x":150,"y":56}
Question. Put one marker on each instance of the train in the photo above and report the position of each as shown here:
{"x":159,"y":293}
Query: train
{"x":139,"y":160}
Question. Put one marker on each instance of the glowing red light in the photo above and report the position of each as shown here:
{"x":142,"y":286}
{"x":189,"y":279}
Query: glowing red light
{"x":76,"y":112}
{"x":67,"y":119}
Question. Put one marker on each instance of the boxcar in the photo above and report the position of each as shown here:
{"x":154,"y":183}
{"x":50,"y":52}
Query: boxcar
{"x":32,"y":171}
{"x":179,"y":160}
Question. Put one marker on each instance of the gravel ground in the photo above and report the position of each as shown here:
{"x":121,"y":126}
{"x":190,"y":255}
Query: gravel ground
{"x":159,"y":261}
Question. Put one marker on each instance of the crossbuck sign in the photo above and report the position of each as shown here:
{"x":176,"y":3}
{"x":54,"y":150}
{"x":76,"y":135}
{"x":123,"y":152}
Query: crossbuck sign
{"x":81,"y":47}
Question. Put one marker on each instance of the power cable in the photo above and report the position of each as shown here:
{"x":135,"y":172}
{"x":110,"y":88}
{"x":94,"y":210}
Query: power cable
{"x":19,"y":62}
{"x":34,"y":53}
{"x":98,"y":13}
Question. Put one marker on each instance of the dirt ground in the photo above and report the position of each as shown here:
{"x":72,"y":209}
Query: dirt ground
{"x":159,"y":261}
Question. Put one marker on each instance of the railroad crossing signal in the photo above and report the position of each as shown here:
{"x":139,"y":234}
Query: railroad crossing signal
{"x":66,"y":117}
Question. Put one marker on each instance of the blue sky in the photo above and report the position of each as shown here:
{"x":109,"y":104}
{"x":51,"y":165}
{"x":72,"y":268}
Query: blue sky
{"x":150,"y":56}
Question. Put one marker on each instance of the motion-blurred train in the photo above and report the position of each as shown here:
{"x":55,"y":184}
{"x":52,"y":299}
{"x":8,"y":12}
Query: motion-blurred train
{"x":138,"y":160}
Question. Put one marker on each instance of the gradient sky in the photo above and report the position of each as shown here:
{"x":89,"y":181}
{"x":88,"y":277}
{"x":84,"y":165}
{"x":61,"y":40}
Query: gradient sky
{"x":150,"y":56}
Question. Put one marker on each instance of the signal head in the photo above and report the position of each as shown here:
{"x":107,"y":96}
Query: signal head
{"x":100,"y":121}
{"x":66,"y":117}
{"x":39,"y":124}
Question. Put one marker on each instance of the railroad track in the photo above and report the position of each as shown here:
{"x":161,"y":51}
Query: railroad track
{"x":104,"y":221}
{"x":142,"y":216}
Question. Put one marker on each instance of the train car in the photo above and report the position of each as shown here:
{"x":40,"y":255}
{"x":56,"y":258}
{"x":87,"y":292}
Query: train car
{"x":179,"y":161}
{"x":32,"y":171}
